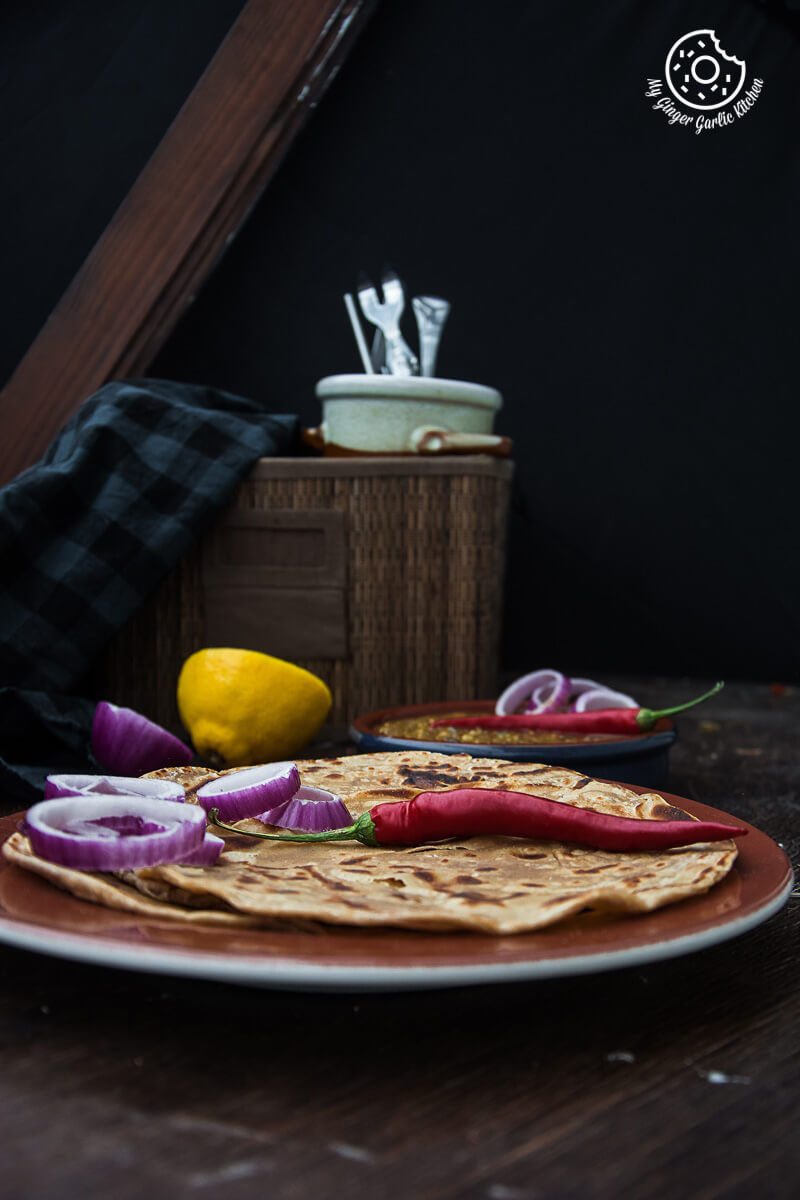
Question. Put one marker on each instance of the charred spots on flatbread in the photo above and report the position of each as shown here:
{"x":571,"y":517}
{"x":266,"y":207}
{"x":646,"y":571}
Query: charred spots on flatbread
{"x":467,"y":879}
{"x":581,"y":784}
{"x":423,"y":874}
{"x":470,"y":896}
{"x":425,"y":779}
{"x":237,"y":841}
{"x":394,"y":793}
{"x":668,"y":812}
{"x":334,"y":884}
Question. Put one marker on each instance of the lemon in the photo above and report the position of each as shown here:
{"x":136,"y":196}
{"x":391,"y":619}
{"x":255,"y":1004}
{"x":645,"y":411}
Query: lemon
{"x":242,"y":707}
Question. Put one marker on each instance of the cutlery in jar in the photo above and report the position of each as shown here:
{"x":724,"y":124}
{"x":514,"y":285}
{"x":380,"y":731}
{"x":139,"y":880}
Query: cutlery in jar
{"x":386,"y":314}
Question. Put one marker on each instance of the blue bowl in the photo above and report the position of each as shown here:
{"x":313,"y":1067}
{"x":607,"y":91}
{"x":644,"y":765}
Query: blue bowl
{"x":642,"y":760}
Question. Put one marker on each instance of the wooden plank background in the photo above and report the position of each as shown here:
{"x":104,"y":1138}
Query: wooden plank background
{"x":182,"y":212}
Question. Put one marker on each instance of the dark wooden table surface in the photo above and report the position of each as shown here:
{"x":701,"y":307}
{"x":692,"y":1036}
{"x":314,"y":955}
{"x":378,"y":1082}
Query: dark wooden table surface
{"x":678,"y":1080}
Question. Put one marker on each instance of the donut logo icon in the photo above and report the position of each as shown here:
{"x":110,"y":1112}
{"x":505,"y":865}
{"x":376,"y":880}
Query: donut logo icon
{"x":700,"y":74}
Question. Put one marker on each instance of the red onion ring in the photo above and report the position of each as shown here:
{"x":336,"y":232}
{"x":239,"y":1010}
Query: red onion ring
{"x":578,"y":686}
{"x":112,"y":785}
{"x":127,"y":743}
{"x":209,"y":851}
{"x":250,"y":792}
{"x":550,"y":698}
{"x":109,"y":833}
{"x":601,"y":697}
{"x":524,"y":688}
{"x":311,"y":810}
{"x":538,"y":697}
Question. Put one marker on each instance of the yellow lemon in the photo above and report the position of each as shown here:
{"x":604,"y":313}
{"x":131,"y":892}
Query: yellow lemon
{"x":242,"y":707}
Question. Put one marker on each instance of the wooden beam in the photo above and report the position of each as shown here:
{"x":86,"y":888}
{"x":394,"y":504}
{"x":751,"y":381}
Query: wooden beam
{"x":182,"y":212}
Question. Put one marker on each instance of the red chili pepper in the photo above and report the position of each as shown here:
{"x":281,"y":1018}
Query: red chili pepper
{"x":467,"y":812}
{"x":598,"y":720}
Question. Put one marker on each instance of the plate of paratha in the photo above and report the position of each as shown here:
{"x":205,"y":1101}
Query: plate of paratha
{"x":342,"y":916}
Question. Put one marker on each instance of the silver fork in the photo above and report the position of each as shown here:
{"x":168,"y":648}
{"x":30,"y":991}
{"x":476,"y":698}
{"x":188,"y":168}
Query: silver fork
{"x":377,"y":354}
{"x":431,"y":313}
{"x":386,"y":314}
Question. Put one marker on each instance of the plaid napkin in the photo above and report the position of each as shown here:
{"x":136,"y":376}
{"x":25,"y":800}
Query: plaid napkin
{"x":85,"y":536}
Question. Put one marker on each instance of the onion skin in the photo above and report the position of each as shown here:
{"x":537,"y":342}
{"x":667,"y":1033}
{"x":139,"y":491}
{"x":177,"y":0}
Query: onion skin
{"x":550,"y":698}
{"x":112,"y":785}
{"x":601,"y":697}
{"x":250,"y":792}
{"x":522,"y":689}
{"x":126,"y":743}
{"x":311,"y":810}
{"x":578,"y":686}
{"x":77,"y":831}
{"x":547,"y":690}
{"x":207,"y":853}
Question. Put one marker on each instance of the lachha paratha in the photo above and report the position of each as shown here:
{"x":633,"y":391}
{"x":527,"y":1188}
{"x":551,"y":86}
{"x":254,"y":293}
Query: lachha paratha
{"x":495,"y":885}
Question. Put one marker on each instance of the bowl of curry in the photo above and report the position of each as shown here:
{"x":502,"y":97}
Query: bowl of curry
{"x":641,"y":759}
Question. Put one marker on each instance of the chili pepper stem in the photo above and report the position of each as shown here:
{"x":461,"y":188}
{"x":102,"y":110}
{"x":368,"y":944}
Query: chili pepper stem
{"x":646,"y":718}
{"x":360,"y":831}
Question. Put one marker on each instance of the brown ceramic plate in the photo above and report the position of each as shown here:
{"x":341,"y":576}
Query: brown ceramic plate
{"x":34,"y":915}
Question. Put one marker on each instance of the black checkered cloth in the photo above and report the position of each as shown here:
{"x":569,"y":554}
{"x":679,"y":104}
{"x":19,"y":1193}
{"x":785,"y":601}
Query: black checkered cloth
{"x":87,"y":534}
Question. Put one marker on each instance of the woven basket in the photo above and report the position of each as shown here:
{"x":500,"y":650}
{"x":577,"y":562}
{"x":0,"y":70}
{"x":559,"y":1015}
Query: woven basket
{"x":381,"y":575}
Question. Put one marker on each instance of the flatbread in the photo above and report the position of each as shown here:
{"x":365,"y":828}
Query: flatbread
{"x":495,"y":885}
{"x":111,"y":892}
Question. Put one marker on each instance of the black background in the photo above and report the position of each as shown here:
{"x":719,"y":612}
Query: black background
{"x":629,"y":286}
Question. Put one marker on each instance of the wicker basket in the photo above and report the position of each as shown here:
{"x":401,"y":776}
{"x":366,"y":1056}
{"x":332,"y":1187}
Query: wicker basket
{"x":382,"y":575}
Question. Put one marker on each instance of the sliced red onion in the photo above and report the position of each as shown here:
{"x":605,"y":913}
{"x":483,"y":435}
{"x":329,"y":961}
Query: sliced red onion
{"x":109,"y":833}
{"x":602,"y":697}
{"x":550,"y":697}
{"x":250,"y":792}
{"x":112,"y":785}
{"x":578,"y":685}
{"x":208,"y":852}
{"x":311,"y":810}
{"x":127,"y":743}
{"x":553,"y":683}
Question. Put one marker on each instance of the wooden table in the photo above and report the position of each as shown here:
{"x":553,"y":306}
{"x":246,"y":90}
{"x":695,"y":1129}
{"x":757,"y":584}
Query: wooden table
{"x":679,"y":1080}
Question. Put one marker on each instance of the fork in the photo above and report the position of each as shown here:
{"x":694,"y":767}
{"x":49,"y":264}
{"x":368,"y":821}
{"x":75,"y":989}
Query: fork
{"x":431,"y":313}
{"x":377,"y":354}
{"x":386,"y":314}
